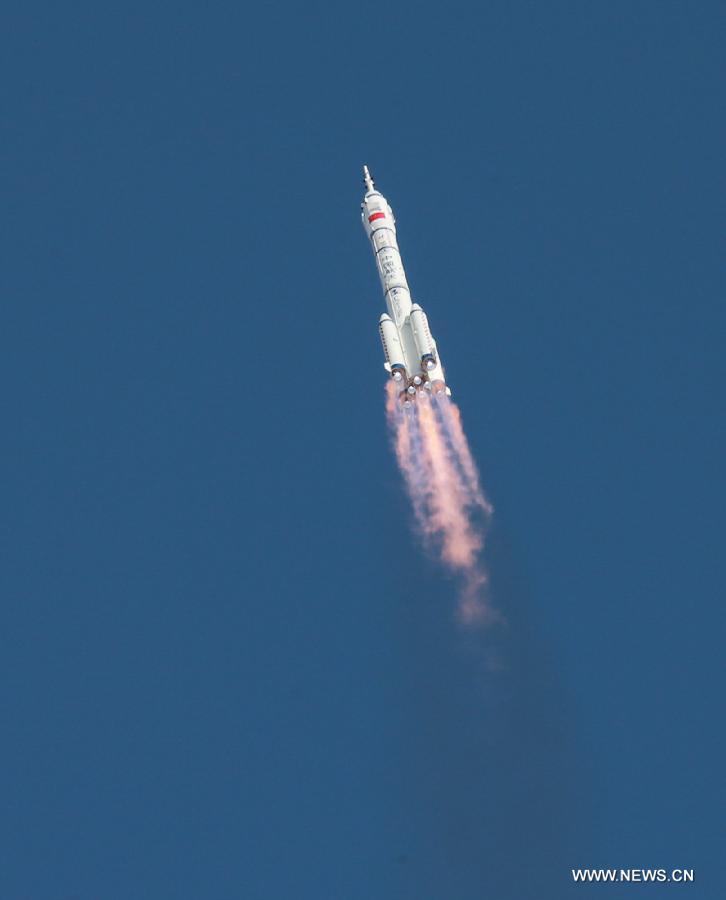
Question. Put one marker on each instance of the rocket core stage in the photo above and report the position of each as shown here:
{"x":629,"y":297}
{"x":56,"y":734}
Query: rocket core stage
{"x":411,"y":355}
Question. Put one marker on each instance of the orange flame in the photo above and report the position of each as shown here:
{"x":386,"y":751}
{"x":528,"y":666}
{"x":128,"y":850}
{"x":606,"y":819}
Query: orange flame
{"x":442,"y":482}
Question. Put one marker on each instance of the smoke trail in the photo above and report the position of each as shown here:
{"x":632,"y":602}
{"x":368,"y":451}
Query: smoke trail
{"x":450,"y":510}
{"x":454,"y":433}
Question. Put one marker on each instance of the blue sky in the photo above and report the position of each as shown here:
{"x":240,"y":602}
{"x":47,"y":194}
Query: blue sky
{"x":228,"y":670}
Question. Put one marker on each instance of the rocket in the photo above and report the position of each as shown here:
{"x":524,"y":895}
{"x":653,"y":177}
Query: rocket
{"x":411,"y":357}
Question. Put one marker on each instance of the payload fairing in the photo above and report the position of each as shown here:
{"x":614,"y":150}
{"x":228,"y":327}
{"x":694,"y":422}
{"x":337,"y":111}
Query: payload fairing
{"x":411,"y":355}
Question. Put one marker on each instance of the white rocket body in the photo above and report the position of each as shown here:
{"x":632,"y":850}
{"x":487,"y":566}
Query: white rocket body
{"x":410,"y":352}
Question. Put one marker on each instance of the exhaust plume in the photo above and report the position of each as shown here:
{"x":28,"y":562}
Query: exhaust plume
{"x":451,"y":513}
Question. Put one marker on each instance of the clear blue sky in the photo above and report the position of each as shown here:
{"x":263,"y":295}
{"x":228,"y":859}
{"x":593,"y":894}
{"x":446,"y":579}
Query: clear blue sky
{"x":226,"y":669}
